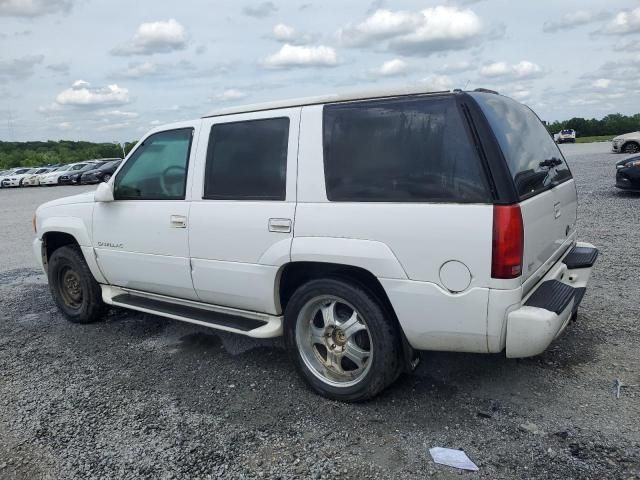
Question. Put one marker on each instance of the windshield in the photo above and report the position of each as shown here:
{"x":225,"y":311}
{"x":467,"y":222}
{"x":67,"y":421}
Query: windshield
{"x":535,"y":162}
{"x":77,"y":167}
{"x":567,"y":132}
{"x":21,"y":171}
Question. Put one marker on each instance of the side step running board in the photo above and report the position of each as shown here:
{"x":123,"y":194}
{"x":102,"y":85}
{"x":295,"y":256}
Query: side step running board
{"x":250,"y":324}
{"x":580,"y":257}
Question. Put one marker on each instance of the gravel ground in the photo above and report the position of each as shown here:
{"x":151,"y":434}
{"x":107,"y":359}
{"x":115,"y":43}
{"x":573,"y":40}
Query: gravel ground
{"x":139,"y":396}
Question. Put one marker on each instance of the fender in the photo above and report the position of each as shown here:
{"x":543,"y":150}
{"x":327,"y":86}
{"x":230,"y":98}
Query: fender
{"x":77,"y":227}
{"x":375,"y":257}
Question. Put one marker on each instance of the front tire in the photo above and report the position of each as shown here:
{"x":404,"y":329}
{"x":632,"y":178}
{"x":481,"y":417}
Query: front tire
{"x":631,"y":147}
{"x":73,"y":288}
{"x":343,"y":342}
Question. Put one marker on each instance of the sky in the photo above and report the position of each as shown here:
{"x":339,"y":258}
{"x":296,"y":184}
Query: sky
{"x":111,"y":70}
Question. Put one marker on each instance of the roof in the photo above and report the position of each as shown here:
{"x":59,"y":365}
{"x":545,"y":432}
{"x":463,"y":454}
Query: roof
{"x":331,"y":98}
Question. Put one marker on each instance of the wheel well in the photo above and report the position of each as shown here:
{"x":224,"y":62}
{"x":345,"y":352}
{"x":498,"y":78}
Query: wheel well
{"x":51,"y":241}
{"x":296,"y":273}
{"x":630,"y":141}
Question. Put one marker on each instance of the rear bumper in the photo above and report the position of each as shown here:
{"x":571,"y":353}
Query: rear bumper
{"x":548,"y":308}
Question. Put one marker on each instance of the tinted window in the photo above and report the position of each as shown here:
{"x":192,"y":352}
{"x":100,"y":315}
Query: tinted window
{"x":409,"y":150}
{"x":535,"y":162}
{"x":247,"y":160}
{"x":157,"y":170}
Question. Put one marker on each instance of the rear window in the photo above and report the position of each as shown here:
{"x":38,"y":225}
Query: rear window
{"x":535,"y":162}
{"x":401,"y":150}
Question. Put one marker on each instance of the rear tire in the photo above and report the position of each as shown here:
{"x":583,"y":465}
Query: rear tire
{"x":341,"y":339}
{"x":73,"y":288}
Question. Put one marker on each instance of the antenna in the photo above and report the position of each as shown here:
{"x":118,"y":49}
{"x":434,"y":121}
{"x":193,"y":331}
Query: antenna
{"x":466,"y":84}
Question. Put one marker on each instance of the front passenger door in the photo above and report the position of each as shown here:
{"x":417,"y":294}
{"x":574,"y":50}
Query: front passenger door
{"x":141,"y":239}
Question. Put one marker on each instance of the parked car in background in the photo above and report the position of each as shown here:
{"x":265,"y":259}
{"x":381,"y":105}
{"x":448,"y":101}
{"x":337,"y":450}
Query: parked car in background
{"x":6,"y":173}
{"x":33,"y":179}
{"x":73,"y":178}
{"x":568,"y":135}
{"x":102,"y":174}
{"x":52,"y":178}
{"x":14,"y":179}
{"x":362,"y":229}
{"x":628,"y":174}
{"x":627,"y":143}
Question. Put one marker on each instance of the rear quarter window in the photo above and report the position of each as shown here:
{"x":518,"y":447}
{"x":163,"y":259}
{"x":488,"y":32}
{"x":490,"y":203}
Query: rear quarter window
{"x":401,"y":150}
{"x":534,"y":160}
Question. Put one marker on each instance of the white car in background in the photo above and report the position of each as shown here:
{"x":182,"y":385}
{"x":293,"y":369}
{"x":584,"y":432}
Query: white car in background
{"x":14,"y":179}
{"x":51,"y":178}
{"x":566,"y":135}
{"x":33,"y":179}
{"x":627,"y":143}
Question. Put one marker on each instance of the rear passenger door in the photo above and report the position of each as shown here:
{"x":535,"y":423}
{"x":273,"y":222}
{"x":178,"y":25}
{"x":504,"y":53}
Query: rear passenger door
{"x":241,"y":219}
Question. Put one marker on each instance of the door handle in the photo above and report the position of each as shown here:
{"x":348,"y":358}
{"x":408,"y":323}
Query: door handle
{"x":178,"y":221}
{"x":280,"y":225}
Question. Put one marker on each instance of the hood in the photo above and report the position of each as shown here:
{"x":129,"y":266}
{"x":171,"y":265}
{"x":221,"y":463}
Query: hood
{"x":81,"y":198}
{"x":628,"y":135}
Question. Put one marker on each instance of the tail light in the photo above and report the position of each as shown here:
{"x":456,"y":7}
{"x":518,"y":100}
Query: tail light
{"x":508,"y":241}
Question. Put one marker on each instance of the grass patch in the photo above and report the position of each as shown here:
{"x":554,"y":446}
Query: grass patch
{"x":596,"y":138}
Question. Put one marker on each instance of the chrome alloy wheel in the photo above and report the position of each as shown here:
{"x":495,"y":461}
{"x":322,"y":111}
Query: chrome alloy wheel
{"x":334,"y":341}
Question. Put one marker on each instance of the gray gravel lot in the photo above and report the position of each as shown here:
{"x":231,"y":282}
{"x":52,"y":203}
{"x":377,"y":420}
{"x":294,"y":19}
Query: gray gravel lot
{"x":139,"y":396}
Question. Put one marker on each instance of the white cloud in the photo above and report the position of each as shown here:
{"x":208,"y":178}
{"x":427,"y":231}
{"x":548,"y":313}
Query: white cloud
{"x":572,"y":20}
{"x":301,"y":56}
{"x":33,"y":8}
{"x":624,"y":23}
{"x":437,"y":83}
{"x":260,"y":10}
{"x":231,"y":94}
{"x":456,"y":67}
{"x":393,"y":67}
{"x":155,"y":37}
{"x":139,"y":70}
{"x":155,"y":123}
{"x":415,"y":33}
{"x":64,"y":125}
{"x":520,"y":70}
{"x":283,"y":33}
{"x":118,"y":114}
{"x":82,"y":95}
{"x":114,"y":126}
{"x":601,"y":83}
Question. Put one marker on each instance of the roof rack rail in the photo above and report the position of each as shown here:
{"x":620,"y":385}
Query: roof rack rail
{"x":486,"y":90}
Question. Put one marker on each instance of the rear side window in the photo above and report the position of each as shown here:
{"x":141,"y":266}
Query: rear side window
{"x":535,"y":162}
{"x":401,"y":150}
{"x":247,"y":160}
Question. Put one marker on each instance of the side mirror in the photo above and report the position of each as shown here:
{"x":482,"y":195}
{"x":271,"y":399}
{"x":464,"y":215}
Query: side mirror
{"x":104,"y":193}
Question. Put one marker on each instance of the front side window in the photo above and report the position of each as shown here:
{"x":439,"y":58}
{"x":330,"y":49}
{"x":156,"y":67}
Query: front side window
{"x":401,"y":150}
{"x":247,"y":160}
{"x":157,"y":170}
{"x":535,"y":162}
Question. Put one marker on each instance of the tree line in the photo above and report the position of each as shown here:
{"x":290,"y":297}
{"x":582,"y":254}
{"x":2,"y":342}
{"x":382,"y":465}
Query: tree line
{"x":35,"y":154}
{"x":613,"y":124}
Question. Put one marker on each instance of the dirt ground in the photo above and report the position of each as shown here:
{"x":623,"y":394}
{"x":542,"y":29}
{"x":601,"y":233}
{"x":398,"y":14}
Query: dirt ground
{"x":139,"y":396}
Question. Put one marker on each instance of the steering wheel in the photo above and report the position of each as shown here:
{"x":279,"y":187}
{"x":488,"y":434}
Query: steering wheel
{"x":169,"y":181}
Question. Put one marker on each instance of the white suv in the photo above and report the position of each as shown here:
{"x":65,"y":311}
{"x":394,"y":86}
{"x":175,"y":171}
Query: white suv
{"x":363,"y":229}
